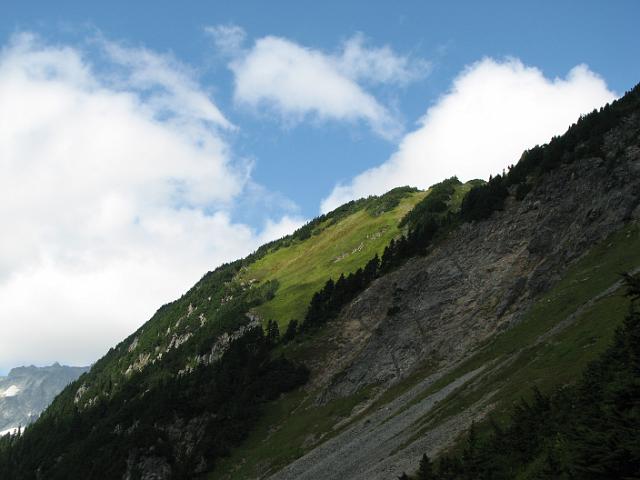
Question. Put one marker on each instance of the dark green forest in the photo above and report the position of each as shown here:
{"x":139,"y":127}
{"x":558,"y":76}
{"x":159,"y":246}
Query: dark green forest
{"x":226,"y":398}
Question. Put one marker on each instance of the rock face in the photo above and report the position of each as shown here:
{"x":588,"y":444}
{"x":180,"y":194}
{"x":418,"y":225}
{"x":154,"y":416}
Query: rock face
{"x":442,"y":305}
{"x":438,"y":308}
{"x":27,"y":391}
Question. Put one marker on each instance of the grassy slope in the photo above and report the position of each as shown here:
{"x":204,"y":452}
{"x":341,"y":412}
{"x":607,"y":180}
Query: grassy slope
{"x":285,"y":430}
{"x":304,"y":267}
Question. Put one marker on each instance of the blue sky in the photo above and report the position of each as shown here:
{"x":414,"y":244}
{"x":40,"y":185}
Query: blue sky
{"x":146,"y":142}
{"x":299,"y":162}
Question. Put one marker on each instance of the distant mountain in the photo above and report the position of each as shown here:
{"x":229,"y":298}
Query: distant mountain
{"x":27,"y":391}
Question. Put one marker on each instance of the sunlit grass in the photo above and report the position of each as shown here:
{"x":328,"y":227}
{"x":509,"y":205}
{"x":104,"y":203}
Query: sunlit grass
{"x":303,"y":268}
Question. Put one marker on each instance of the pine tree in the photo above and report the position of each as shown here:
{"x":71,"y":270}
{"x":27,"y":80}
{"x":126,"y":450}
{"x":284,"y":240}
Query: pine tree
{"x":371,"y":269}
{"x":425,"y":471}
{"x":340,"y":292}
{"x":357,"y":283}
{"x":633,"y":286}
{"x":273,"y":332}
{"x":388,"y":256}
{"x":470,"y":454}
{"x":290,"y":332}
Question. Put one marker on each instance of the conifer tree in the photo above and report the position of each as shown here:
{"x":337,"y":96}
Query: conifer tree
{"x":290,"y":332}
{"x":425,"y":471}
{"x":371,"y":269}
{"x":273,"y":332}
{"x":388,"y":256}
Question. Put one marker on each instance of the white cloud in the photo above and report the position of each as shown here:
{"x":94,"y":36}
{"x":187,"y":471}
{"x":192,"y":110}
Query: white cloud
{"x":169,"y":84}
{"x":297,"y":82}
{"x":227,"y":38}
{"x":379,"y":65}
{"x":113,"y":193}
{"x":493,"y":111}
{"x":278,"y":229}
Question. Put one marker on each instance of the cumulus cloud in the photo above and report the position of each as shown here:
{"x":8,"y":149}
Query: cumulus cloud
{"x":115,"y":183}
{"x":493,"y":111}
{"x":278,"y":229}
{"x":297,"y":82}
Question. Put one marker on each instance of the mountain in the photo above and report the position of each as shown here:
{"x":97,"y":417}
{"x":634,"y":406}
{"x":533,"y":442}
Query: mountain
{"x":526,"y":295}
{"x":27,"y":391}
{"x":374,"y":334}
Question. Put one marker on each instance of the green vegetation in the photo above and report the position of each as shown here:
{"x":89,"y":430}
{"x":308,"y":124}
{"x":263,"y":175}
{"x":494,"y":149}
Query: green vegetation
{"x":482,"y":200}
{"x":215,"y":305}
{"x":374,"y":205}
{"x":165,"y":373}
{"x":547,"y":364}
{"x":437,"y":204}
{"x":335,"y":247}
{"x":430,"y":220}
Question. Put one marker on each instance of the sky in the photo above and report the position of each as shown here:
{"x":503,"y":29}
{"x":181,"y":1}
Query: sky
{"x":144,"y":143}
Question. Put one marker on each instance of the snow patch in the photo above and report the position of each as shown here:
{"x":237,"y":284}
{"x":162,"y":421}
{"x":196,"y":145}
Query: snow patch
{"x":12,"y":391}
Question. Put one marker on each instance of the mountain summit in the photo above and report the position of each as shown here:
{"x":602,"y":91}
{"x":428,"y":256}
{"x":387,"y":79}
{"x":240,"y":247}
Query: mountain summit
{"x":27,"y":391}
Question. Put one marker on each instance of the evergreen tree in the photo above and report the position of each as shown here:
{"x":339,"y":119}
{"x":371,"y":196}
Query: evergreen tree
{"x":290,"y":332}
{"x":273,"y":332}
{"x":340,"y":294}
{"x":388,"y":255}
{"x":470,"y":457}
{"x":425,"y":471}
{"x":371,"y":269}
